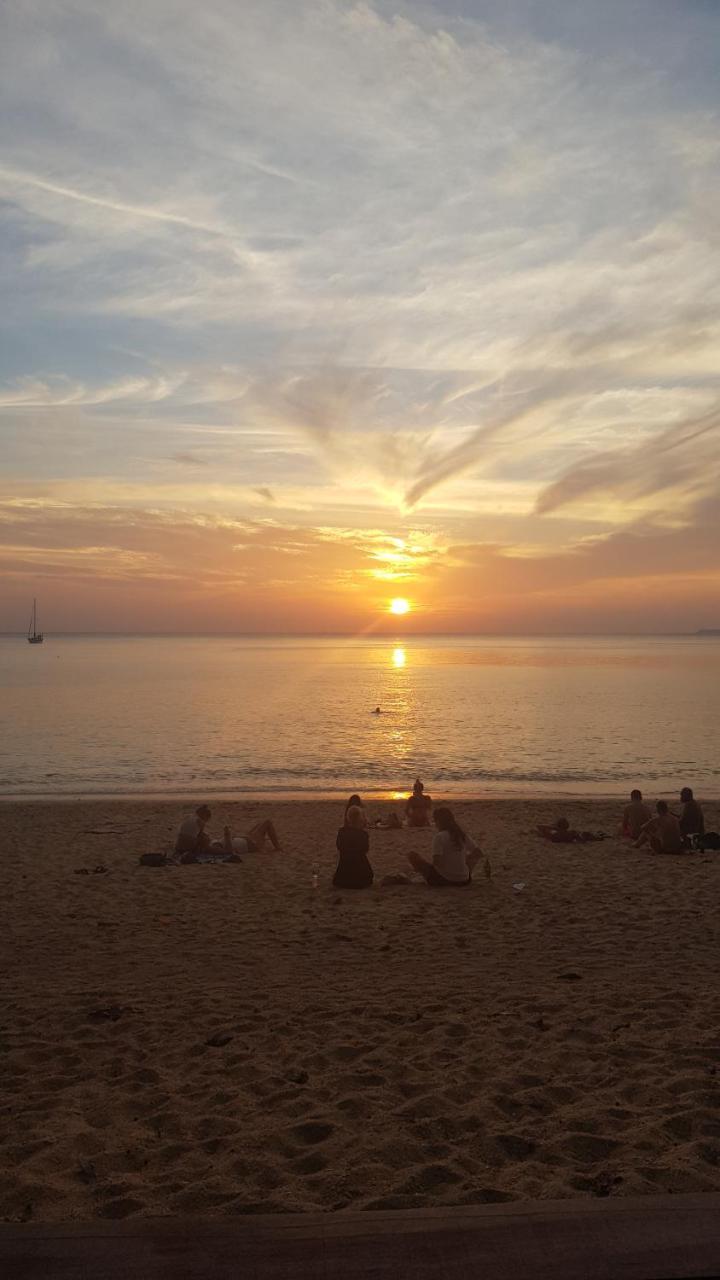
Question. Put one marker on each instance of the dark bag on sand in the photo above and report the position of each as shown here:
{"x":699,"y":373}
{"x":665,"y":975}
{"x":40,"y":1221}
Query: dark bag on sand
{"x":710,"y":840}
{"x":153,"y":860}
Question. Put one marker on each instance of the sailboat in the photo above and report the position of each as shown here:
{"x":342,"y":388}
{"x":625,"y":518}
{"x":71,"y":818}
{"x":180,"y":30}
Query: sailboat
{"x":34,"y":636}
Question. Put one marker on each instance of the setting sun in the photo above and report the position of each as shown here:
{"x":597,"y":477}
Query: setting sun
{"x":398,"y":605}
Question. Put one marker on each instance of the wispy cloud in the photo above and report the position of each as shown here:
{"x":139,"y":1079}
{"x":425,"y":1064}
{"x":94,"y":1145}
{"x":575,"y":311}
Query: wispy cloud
{"x":681,"y":464}
{"x":20,"y":179}
{"x":189,"y":460}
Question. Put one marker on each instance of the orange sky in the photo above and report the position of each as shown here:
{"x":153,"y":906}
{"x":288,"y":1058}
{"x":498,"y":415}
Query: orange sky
{"x":310,"y":306}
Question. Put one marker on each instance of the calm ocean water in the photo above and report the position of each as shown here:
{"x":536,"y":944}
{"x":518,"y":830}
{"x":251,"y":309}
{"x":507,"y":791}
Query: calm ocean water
{"x":474,"y":716}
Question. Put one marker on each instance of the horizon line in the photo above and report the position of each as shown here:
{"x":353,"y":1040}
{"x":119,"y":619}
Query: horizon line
{"x":353,"y":635}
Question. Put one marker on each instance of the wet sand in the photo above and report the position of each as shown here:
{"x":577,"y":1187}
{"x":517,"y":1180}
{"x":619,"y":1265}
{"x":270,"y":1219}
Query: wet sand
{"x":224,"y":1039}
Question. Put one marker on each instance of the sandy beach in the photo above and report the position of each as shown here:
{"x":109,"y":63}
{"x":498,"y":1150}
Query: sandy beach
{"x":223,"y":1039}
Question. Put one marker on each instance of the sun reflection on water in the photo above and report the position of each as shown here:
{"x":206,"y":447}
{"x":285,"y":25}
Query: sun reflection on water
{"x":399,"y":657}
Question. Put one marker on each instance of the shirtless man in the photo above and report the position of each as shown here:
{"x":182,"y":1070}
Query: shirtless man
{"x":635,"y":816}
{"x":662,"y":833}
{"x":692,"y":818}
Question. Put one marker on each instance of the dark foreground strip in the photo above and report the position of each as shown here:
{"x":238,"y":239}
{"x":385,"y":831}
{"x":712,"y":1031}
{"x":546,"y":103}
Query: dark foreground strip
{"x":648,"y":1238}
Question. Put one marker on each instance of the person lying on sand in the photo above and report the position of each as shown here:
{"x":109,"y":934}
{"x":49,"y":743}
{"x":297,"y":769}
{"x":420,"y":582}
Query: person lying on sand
{"x":454,"y":854}
{"x":635,"y":815}
{"x":563,"y":833}
{"x":418,"y":809}
{"x":356,"y":803}
{"x":662,"y":833}
{"x":254,"y":841}
{"x":353,"y":868}
{"x":392,"y":823}
{"x":194,"y":843}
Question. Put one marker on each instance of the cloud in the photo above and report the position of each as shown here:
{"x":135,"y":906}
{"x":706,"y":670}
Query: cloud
{"x":681,"y":464}
{"x":36,"y":393}
{"x":189,"y":459}
{"x":14,"y":177}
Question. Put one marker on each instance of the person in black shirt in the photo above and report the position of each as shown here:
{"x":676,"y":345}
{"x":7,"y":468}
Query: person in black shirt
{"x":353,"y":868}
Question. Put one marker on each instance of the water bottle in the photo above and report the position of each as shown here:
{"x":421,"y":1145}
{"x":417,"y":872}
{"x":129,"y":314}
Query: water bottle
{"x":315,"y":875}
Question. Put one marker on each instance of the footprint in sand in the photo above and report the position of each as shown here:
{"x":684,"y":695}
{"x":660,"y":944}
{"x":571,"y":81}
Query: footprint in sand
{"x":121,"y":1208}
{"x":429,"y":1178}
{"x":515,"y":1146}
{"x":314,"y":1163}
{"x":348,"y":1052}
{"x":312,"y":1131}
{"x":590,"y":1149}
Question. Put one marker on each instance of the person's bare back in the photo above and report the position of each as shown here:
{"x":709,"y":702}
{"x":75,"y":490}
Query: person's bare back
{"x":662,"y":833}
{"x":635,"y":815}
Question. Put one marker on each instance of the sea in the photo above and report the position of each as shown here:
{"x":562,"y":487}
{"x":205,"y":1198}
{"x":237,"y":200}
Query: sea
{"x":479,"y":717}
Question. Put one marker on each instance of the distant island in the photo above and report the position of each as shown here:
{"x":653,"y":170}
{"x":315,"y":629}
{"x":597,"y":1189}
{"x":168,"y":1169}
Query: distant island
{"x":711,"y":631}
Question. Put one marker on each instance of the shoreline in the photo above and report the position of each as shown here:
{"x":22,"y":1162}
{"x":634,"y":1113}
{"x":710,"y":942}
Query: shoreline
{"x":198,"y":794}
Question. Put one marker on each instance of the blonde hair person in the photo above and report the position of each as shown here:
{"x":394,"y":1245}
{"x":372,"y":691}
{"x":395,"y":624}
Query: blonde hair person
{"x":356,"y":803}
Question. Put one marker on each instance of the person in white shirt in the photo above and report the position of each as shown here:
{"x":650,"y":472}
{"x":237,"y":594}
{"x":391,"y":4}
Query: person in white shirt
{"x":454,"y":854}
{"x":192,"y":836}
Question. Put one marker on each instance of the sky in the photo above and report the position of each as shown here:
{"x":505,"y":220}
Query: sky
{"x":309,"y":306}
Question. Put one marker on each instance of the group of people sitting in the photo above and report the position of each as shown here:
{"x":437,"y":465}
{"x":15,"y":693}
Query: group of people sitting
{"x":453,"y":855}
{"x":664,"y":831}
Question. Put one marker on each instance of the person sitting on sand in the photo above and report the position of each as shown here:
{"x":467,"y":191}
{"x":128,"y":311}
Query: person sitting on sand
{"x":635,"y":815}
{"x":353,"y":868}
{"x":692,"y":818}
{"x":356,"y":803}
{"x":193,"y":842}
{"x":192,"y":837}
{"x":454,"y":854}
{"x":662,"y":833}
{"x":418,"y":809}
{"x":563,"y":833}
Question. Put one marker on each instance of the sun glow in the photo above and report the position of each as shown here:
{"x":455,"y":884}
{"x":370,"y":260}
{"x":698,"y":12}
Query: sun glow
{"x":399,"y":658}
{"x":399,"y":605}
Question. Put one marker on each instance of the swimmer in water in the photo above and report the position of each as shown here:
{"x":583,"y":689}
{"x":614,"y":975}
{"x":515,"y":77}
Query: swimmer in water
{"x":377,"y":712}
